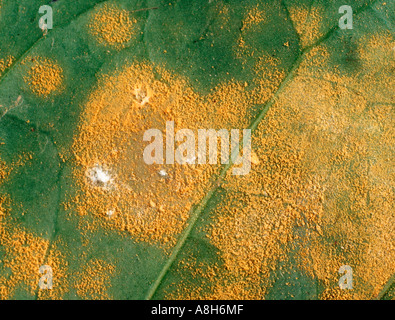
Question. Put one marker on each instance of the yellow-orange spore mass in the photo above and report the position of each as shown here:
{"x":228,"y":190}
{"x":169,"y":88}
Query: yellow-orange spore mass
{"x":44,"y":77}
{"x":3,"y":171}
{"x":61,"y":277}
{"x":253,"y":17}
{"x":307,"y":22}
{"x":5,"y":64}
{"x":151,"y":202}
{"x":112,"y":26}
{"x":321,"y":191}
{"x":24,"y":254}
{"x":93,"y":281}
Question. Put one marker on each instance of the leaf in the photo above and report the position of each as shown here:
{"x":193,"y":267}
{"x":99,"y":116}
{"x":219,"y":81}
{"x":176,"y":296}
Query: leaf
{"x":76,"y":194}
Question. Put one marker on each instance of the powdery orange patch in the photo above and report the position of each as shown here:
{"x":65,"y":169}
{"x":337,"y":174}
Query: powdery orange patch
{"x":268,"y":76}
{"x":24,"y":254}
{"x":44,"y":77}
{"x":377,"y":56}
{"x":5,"y":63}
{"x":153,"y":202}
{"x":320,"y":192}
{"x":112,"y":26}
{"x":307,"y":22}
{"x":94,"y":280}
{"x":3,"y":171}
{"x":60,"y":276}
{"x":253,"y":17}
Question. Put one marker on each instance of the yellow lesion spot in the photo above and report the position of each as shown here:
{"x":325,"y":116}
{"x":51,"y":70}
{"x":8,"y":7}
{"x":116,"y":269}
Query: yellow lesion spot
{"x":112,"y":26}
{"x":151,"y":206}
{"x":93,"y":281}
{"x":60,"y":276}
{"x":151,"y":202}
{"x":268,"y":76}
{"x":5,"y":63}
{"x":325,"y":162}
{"x":377,"y":56}
{"x":335,"y":293}
{"x":44,"y":77}
{"x":24,"y":254}
{"x":307,"y":22}
{"x":3,"y":171}
{"x":253,"y":17}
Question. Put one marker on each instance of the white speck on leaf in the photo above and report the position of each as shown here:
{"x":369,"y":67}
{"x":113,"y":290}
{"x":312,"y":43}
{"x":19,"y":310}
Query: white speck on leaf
{"x":99,"y":177}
